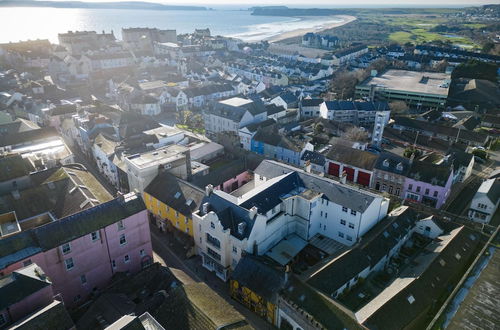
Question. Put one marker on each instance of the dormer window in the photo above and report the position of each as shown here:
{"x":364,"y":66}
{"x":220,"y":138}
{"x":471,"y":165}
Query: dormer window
{"x":399,"y":167}
{"x":385,"y":163}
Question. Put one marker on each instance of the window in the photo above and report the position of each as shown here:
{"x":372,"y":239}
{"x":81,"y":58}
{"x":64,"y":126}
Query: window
{"x":342,"y":222}
{"x":120,"y":224}
{"x":126,"y":259}
{"x":344,"y":209}
{"x":427,"y":191}
{"x":351,"y":225}
{"x":235,"y":249}
{"x":353,"y":212}
{"x":418,"y":188}
{"x":123,"y":240}
{"x":212,"y":225}
{"x":83,"y":279}
{"x":390,"y":189}
{"x":213,"y":241}
{"x":66,"y":248}
{"x":384,"y":187}
{"x":2,"y":319}
{"x":321,"y":213}
{"x":213,"y":254}
{"x":69,"y":263}
{"x":410,"y":187}
{"x":113,"y":263}
{"x":326,"y":214}
{"x":349,"y":238}
{"x":435,"y":193}
{"x":176,"y":214}
{"x":94,"y":236}
{"x":142,"y":253}
{"x":397,"y":191}
{"x":341,"y":234}
{"x":27,"y":262}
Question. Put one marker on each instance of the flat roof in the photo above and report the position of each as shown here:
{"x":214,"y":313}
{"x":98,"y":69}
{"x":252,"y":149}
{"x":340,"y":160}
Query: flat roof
{"x":157,"y":157}
{"x":286,"y":249}
{"x":412,"y":81}
{"x":236,"y":101}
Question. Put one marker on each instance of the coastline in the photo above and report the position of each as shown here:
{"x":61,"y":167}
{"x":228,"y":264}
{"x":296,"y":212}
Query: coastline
{"x":299,"y":32}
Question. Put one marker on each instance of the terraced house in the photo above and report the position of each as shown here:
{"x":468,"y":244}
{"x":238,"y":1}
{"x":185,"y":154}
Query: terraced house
{"x":171,"y":201}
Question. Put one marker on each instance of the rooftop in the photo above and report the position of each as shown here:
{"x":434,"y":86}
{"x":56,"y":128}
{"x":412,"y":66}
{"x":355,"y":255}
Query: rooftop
{"x":158,"y":157}
{"x":236,"y":101}
{"x":412,"y":81}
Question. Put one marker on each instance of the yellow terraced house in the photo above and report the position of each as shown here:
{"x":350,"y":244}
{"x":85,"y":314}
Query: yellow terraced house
{"x":172,"y":201}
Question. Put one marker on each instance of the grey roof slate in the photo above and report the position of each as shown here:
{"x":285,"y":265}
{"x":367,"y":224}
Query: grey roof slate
{"x":342,"y":194}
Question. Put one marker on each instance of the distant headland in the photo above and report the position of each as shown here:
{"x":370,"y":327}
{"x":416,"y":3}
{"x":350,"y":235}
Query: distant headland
{"x":139,"y":5}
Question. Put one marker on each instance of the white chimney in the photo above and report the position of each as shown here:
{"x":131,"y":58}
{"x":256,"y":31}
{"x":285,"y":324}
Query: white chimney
{"x":253,"y":212}
{"x":241,"y":227}
{"x":343,"y":177}
{"x":204,"y":208}
{"x":209,"y":189}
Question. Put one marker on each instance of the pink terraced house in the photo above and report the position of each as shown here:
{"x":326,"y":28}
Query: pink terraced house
{"x":81,"y":252}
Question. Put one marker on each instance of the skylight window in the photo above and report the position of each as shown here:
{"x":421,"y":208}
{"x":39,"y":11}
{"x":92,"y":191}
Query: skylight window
{"x":410,"y":299}
{"x":177,"y":195}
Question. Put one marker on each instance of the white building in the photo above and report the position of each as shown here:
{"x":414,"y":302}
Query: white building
{"x":143,"y":168}
{"x":232,"y":114}
{"x":281,"y":201}
{"x":355,"y":112}
{"x":485,"y":201}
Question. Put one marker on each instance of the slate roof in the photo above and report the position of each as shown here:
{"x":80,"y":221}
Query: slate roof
{"x":62,"y":191}
{"x":255,"y":126}
{"x":429,"y":287}
{"x":271,"y":136}
{"x":354,"y":157}
{"x":165,"y":187}
{"x":314,"y":157}
{"x":273,"y":109}
{"x":260,"y":276}
{"x":375,"y":245}
{"x":230,"y":214}
{"x":17,"y":126}
{"x":311,"y":102}
{"x":20,"y":284}
{"x":392,"y":161}
{"x":430,"y":173}
{"x":14,"y":166}
{"x":235,"y":113}
{"x":55,"y":233}
{"x":451,"y":132}
{"x":27,"y":136}
{"x":357,"y":105}
{"x":53,"y":316}
{"x":345,"y":195}
{"x":197,"y":307}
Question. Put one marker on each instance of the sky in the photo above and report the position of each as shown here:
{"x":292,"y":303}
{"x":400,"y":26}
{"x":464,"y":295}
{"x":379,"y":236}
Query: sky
{"x":323,"y":3}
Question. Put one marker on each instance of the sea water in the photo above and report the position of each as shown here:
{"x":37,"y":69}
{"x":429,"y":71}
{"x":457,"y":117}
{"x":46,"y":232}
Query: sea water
{"x":18,"y":23}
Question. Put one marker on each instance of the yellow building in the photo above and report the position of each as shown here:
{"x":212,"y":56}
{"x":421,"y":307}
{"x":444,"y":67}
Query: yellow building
{"x":256,"y":285}
{"x":172,"y":201}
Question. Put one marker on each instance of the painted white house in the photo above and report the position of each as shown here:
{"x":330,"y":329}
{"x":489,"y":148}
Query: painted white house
{"x":232,"y":114}
{"x":281,"y":201}
{"x":103,"y":151}
{"x":485,"y":202}
{"x":146,"y":105}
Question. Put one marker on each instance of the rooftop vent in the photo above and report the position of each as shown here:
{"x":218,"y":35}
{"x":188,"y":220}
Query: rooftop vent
{"x":241,"y":228}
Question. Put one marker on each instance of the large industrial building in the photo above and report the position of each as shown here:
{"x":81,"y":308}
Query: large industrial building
{"x":417,"y":89}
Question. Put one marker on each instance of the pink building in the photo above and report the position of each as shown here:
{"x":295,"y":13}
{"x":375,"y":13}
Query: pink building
{"x":81,"y":252}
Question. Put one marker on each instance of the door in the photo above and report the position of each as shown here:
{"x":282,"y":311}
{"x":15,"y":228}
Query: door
{"x":333,"y":169}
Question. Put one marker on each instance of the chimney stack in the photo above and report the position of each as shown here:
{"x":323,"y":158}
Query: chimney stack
{"x":253,"y":212}
{"x":343,"y":177}
{"x":208,"y":190}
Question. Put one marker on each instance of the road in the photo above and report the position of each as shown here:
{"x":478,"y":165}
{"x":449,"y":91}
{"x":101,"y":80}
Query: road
{"x":170,"y":253}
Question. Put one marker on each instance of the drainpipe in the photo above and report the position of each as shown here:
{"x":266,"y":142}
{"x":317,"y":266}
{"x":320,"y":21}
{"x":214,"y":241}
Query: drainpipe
{"x":109,"y":255}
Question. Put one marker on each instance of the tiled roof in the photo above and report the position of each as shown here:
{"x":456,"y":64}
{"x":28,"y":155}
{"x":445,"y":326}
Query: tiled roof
{"x":176,"y":193}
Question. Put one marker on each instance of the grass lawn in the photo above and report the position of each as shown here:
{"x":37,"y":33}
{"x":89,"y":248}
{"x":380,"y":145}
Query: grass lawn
{"x":422,"y":35}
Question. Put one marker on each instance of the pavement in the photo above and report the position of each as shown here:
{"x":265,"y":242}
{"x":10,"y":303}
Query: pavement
{"x":171,"y":253}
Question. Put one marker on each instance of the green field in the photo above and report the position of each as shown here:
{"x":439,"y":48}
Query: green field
{"x":422,"y":35}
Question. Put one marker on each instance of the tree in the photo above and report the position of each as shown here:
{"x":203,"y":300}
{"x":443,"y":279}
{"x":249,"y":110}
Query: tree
{"x":399,"y":107}
{"x":355,"y":134}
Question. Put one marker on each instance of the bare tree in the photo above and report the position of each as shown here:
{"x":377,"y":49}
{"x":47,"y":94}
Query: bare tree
{"x":399,"y":107}
{"x":355,"y":134}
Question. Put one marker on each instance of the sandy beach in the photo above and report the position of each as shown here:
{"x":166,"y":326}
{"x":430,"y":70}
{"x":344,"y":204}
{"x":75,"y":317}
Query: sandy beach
{"x":317,"y":28}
